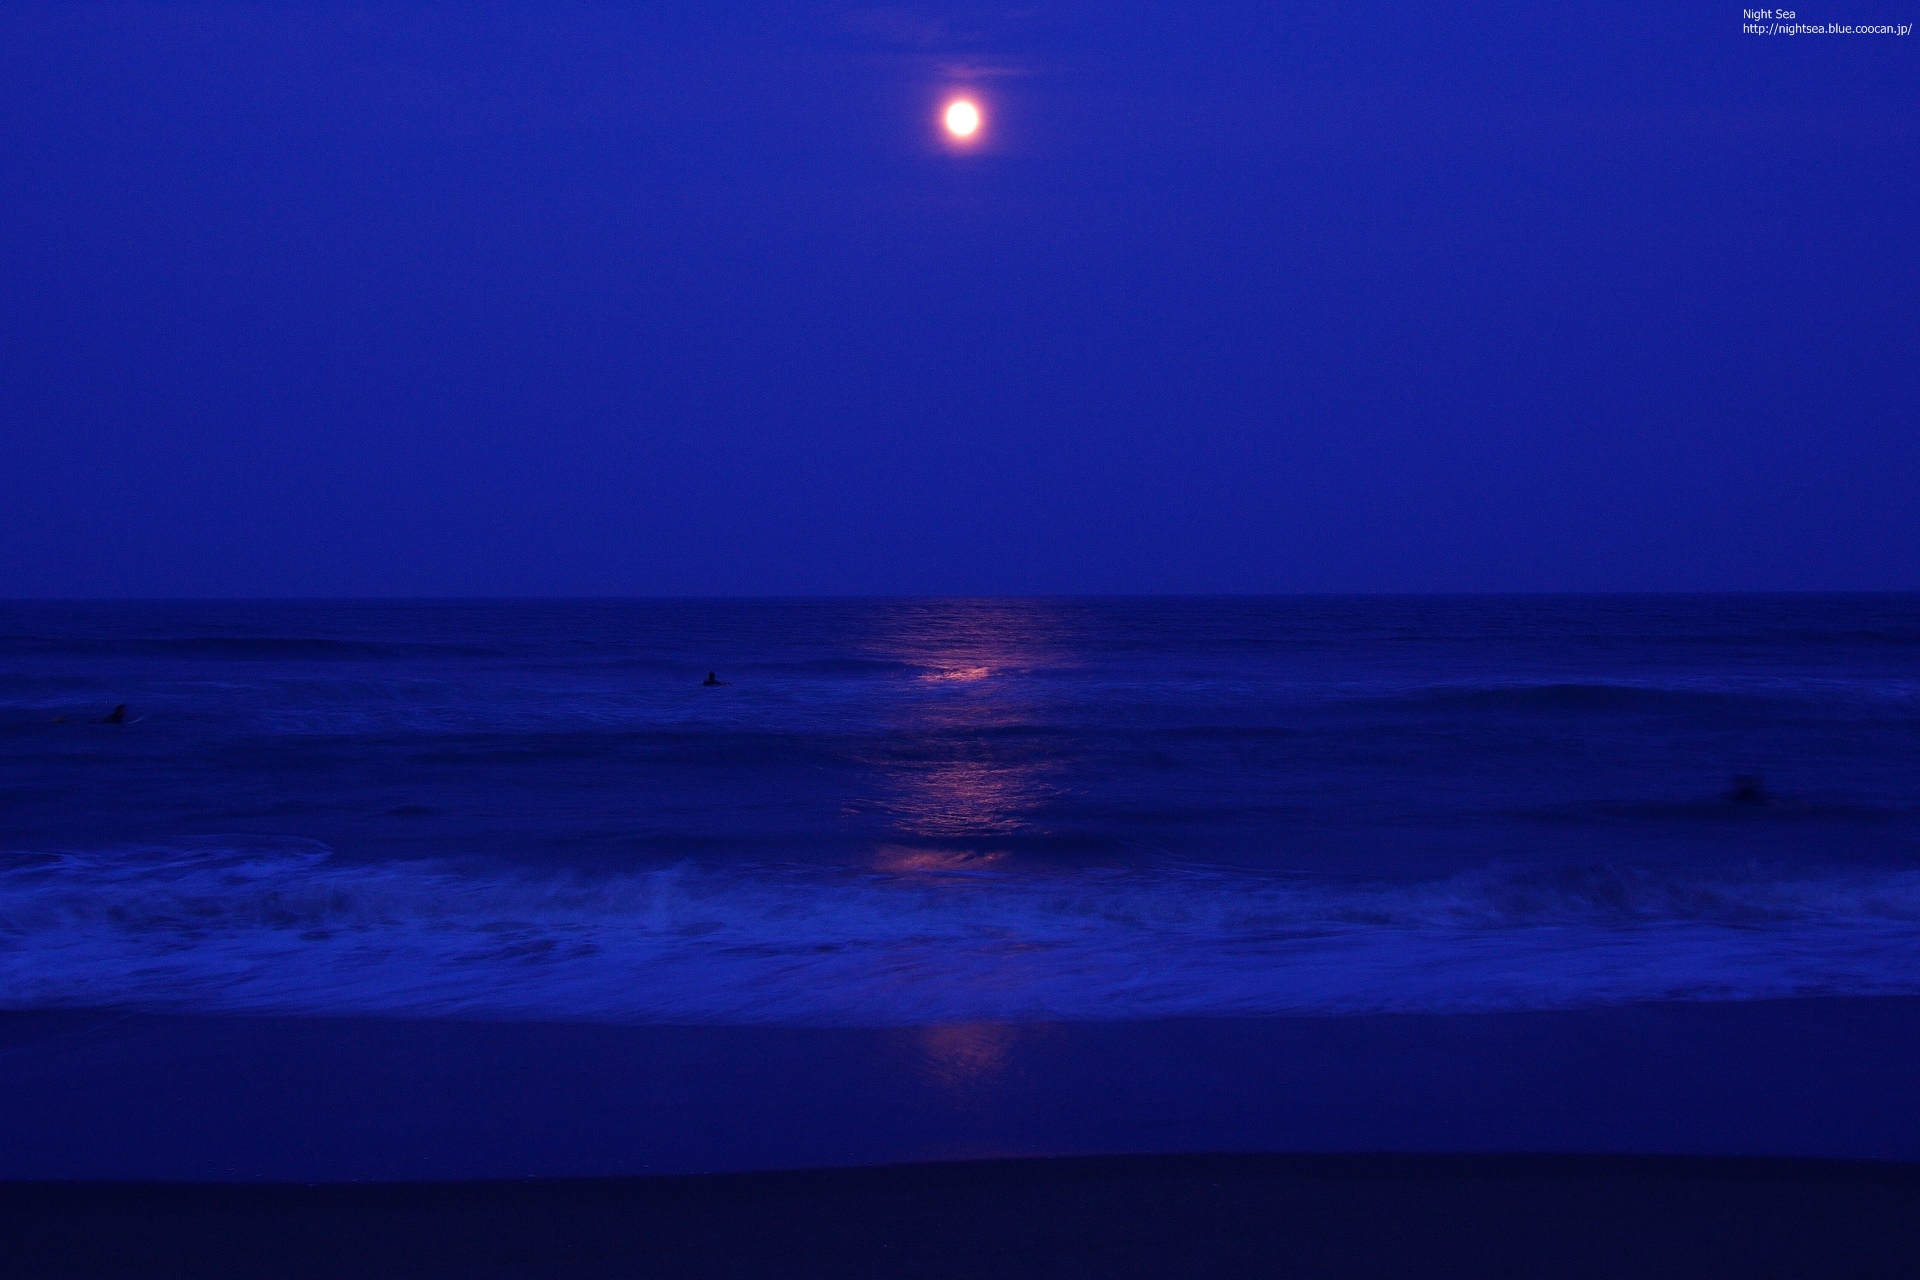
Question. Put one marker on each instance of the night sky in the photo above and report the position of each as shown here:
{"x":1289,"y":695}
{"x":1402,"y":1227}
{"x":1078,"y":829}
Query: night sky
{"x":535,"y":299}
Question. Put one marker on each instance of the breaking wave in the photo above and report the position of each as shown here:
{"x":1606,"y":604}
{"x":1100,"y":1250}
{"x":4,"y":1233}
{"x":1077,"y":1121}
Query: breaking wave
{"x":919,"y":936}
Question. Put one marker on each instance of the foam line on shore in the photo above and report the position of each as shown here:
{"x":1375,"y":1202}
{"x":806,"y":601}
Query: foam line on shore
{"x":920,"y":936}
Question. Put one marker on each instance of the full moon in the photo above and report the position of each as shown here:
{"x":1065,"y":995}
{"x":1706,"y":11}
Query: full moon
{"x":963,"y":119}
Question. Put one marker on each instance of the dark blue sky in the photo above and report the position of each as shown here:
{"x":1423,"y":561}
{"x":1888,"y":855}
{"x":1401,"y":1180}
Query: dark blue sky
{"x":573,"y":299}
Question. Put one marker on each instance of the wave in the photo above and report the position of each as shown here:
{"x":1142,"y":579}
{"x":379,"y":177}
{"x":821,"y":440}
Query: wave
{"x":918,"y":936}
{"x":836,"y":667}
{"x":1573,"y":696}
{"x":233,"y":648}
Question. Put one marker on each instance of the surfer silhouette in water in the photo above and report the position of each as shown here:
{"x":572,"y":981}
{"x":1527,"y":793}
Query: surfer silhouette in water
{"x":116,"y":716}
{"x":712,"y":681}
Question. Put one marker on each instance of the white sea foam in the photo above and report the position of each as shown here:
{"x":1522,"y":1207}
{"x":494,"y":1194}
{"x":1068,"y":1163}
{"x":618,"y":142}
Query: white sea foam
{"x":918,"y":937}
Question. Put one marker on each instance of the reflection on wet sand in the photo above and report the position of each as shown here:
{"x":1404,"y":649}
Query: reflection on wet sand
{"x":963,"y":1054}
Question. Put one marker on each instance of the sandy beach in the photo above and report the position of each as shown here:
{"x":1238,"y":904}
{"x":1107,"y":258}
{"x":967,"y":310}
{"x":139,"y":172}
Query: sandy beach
{"x":1770,"y":1139}
{"x":1212,"y":1215}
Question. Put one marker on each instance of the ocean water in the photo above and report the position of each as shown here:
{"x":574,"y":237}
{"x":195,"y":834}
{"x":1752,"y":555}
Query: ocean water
{"x":903,"y":812}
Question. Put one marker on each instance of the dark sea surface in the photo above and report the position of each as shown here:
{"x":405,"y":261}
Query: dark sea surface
{"x":906,"y":812}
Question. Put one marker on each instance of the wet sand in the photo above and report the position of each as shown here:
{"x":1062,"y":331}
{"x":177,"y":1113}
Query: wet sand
{"x":96,"y":1096}
{"x":1776,"y":1138}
